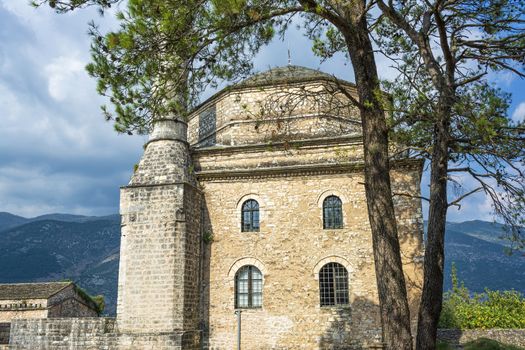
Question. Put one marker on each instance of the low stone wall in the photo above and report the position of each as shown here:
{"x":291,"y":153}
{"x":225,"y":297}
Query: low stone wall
{"x":63,"y":333}
{"x":91,"y":334}
{"x":459,"y":337}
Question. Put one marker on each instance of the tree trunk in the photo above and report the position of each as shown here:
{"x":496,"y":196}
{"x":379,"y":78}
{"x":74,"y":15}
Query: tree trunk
{"x":395,"y":314}
{"x":432,"y":297}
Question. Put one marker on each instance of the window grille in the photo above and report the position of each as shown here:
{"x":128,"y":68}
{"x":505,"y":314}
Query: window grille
{"x":333,"y":285}
{"x":250,"y":216}
{"x":248,"y":287}
{"x":332,"y":213}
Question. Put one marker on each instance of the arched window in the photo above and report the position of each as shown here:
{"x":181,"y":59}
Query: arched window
{"x":333,"y":285}
{"x":332,"y":212}
{"x":248,"y":287}
{"x":250,"y":216}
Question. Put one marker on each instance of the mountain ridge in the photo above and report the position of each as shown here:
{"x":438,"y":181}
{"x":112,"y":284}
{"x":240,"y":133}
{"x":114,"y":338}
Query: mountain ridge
{"x":85,"y":249}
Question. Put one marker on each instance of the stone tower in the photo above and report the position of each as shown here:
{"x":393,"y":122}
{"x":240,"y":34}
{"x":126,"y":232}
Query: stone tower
{"x":160,"y":249}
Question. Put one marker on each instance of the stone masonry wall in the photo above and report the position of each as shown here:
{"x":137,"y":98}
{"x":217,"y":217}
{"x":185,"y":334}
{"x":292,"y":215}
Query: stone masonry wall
{"x":90,"y":334}
{"x":63,"y":333}
{"x":160,"y":243}
{"x":257,"y":157}
{"x":68,"y":303}
{"x":29,"y":308}
{"x":150,"y":278}
{"x":192,"y":258}
{"x":457,"y":336}
{"x":290,"y":247}
{"x":291,"y":111}
{"x":71,"y":307}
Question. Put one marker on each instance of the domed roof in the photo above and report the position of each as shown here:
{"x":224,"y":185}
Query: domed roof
{"x":275,"y":76}
{"x":284,"y":74}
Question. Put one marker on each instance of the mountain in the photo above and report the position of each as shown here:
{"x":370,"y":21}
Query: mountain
{"x":8,"y":220}
{"x":61,"y":246}
{"x":85,"y":249}
{"x":479,"y":253}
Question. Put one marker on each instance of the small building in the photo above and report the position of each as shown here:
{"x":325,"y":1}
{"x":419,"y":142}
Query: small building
{"x":42,"y":300}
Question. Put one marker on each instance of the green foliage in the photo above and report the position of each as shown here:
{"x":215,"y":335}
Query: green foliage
{"x":491,"y":309}
{"x":443,"y":346}
{"x":166,"y":52}
{"x":444,"y":80}
{"x":207,"y":237}
{"x":97,"y":300}
{"x":488,"y":344}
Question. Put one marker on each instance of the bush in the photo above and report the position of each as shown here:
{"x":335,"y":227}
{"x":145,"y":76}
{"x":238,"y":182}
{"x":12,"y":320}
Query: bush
{"x":443,"y":346}
{"x":491,"y":309}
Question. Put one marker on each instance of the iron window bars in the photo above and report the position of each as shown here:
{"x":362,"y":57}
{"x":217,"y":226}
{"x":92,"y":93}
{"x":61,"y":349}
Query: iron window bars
{"x":248,"y":288}
{"x":333,"y":285}
{"x":250,"y":216}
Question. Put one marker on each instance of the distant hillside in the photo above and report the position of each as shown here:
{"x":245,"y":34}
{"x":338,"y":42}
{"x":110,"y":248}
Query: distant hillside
{"x":479,"y":254}
{"x":86,"y":250}
{"x":61,"y":246}
{"x":8,"y":220}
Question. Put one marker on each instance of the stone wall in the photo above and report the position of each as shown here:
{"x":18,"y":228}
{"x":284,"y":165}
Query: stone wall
{"x":292,"y":245}
{"x":160,"y":244}
{"x":291,"y":111}
{"x":71,"y":307}
{"x":29,"y":308}
{"x":154,"y":240}
{"x":91,"y":334}
{"x":63,"y":333}
{"x":68,"y":303}
{"x":457,"y":336}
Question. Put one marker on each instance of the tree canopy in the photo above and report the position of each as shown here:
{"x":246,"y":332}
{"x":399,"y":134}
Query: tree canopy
{"x":442,"y":107}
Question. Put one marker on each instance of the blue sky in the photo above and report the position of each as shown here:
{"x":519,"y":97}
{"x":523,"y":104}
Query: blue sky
{"x":57,"y":154}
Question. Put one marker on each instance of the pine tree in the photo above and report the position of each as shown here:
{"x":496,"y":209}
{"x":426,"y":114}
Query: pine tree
{"x":446,"y":111}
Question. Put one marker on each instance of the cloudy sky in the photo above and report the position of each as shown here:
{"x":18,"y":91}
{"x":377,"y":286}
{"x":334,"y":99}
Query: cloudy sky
{"x":57,"y":154}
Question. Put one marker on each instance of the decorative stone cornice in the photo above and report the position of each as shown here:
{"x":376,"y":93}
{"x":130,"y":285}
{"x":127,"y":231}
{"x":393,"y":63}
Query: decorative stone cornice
{"x":323,"y":141}
{"x":169,"y":129}
{"x":167,"y":184}
{"x":299,"y":170}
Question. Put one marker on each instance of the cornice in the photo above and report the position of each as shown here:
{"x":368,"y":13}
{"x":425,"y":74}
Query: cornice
{"x":298,"y":170}
{"x":324,"y":141}
{"x":166,"y":184}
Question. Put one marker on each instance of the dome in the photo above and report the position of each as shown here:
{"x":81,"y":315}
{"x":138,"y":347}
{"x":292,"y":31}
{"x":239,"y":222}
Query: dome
{"x":280,"y":75}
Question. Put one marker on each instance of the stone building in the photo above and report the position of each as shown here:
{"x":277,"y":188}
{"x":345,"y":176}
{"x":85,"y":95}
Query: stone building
{"x":256,"y":204}
{"x":41,"y":300}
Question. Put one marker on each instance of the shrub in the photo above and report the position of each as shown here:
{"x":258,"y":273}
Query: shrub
{"x":443,"y":346}
{"x":98,"y":300}
{"x":491,"y":309}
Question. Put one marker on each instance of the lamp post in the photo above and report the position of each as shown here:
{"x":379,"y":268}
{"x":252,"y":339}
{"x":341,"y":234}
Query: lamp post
{"x":238,"y":313}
